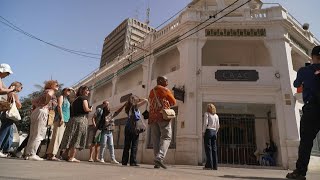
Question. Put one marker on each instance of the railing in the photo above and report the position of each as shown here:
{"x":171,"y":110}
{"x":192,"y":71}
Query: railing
{"x":258,"y":14}
{"x":174,"y":24}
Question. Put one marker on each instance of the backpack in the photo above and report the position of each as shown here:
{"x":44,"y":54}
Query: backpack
{"x":99,"y":113}
{"x":135,"y":122}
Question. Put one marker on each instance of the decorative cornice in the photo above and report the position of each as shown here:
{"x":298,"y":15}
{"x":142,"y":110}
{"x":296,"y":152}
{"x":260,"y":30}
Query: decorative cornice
{"x":261,"y":32}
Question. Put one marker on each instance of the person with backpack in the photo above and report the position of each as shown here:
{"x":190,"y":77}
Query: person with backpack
{"x":309,"y":78}
{"x":94,"y":138}
{"x":106,"y":126}
{"x":131,"y":132}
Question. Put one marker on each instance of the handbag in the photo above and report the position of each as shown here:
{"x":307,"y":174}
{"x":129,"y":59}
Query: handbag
{"x":167,"y":114}
{"x":136,"y":124}
{"x":13,"y":112}
{"x":51,"y":117}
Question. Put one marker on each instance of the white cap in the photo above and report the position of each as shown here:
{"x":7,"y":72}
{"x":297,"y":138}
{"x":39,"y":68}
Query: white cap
{"x":5,"y":68}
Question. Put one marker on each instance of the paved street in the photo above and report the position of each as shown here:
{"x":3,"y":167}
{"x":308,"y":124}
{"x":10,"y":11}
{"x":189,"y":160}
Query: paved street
{"x":21,"y":169}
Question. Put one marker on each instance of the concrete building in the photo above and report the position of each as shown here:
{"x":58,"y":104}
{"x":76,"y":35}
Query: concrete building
{"x":245,"y":63}
{"x":128,"y":34}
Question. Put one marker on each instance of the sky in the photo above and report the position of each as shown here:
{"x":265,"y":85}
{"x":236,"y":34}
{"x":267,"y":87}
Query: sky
{"x":82,"y":25}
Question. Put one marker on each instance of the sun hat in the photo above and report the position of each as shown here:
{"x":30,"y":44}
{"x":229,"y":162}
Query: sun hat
{"x":5,"y":68}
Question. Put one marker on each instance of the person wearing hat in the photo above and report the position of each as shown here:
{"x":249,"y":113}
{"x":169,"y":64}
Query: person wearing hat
{"x":61,"y":119}
{"x":5,"y":70}
{"x":309,"y":78}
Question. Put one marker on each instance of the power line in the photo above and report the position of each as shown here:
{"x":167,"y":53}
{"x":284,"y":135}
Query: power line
{"x":80,"y":53}
{"x":179,"y":40}
{"x":210,"y":17}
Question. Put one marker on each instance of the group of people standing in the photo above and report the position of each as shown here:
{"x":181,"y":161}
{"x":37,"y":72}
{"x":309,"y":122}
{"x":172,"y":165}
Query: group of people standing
{"x":71,"y":123}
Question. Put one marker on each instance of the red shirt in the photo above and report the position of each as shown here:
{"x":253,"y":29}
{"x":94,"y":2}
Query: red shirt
{"x":165,"y":97}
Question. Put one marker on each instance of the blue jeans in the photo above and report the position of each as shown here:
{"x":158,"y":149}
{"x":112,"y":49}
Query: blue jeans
{"x":106,"y":138}
{"x":210,"y":145}
{"x":6,"y":134}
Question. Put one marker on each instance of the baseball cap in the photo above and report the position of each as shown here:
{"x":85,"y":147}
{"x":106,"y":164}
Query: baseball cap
{"x":316,"y":51}
{"x":5,"y":68}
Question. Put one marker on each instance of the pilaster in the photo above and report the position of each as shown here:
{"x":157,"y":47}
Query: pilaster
{"x":287,"y":114}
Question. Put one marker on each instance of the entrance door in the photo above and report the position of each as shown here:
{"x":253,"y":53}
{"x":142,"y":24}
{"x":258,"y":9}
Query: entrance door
{"x":237,"y":139}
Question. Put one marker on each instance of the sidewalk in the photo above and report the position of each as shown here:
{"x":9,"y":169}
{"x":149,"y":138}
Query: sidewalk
{"x":21,"y":169}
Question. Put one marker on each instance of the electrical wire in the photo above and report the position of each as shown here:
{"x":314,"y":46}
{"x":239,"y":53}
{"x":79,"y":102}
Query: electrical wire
{"x":80,"y":53}
{"x":210,"y":17}
{"x":179,"y":40}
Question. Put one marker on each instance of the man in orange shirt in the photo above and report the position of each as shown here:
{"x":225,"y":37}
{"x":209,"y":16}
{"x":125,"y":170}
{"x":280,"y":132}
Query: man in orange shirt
{"x":161,"y":131}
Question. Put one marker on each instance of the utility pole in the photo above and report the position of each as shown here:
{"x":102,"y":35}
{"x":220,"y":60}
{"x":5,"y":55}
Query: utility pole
{"x":148,"y":13}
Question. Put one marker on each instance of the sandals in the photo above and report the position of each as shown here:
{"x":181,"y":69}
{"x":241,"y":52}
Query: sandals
{"x":74,"y":160}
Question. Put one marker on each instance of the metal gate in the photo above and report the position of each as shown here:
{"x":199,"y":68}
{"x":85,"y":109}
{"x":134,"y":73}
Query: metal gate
{"x":237,"y":139}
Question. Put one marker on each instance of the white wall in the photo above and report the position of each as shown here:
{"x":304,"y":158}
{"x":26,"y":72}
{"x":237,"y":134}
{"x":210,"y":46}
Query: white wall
{"x":165,"y":62}
{"x":244,"y":53}
{"x":129,"y":80}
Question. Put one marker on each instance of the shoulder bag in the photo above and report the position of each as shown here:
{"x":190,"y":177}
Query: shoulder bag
{"x":13,"y":112}
{"x":167,"y":114}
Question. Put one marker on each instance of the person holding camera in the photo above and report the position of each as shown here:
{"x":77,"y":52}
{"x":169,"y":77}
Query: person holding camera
{"x":309,"y":78}
{"x":106,"y":126}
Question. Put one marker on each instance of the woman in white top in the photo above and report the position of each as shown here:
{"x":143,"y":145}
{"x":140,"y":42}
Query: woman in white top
{"x":210,"y":130}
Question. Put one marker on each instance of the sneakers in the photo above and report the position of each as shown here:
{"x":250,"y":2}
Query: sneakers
{"x":3,"y":155}
{"x":114,"y":161}
{"x":101,"y":160}
{"x":35,"y":158}
{"x":160,"y":163}
{"x":295,"y":175}
{"x":156,"y":166}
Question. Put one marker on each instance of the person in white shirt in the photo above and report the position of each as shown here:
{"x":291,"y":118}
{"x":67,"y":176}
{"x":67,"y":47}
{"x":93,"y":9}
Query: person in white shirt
{"x":210,"y":130}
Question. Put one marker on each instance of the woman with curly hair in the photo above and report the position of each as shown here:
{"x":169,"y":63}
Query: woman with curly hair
{"x":76,"y":132}
{"x":39,"y":117}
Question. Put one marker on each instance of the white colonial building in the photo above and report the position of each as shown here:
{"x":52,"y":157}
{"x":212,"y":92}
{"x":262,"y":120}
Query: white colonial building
{"x":244,"y":61}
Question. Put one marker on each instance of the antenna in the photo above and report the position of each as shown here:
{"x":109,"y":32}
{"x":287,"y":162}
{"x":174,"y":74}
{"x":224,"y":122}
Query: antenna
{"x":148,"y":13}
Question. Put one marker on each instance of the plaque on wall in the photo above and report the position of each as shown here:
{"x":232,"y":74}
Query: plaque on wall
{"x":236,"y":75}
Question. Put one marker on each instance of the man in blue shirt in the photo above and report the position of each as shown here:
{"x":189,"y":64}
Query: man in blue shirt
{"x":309,"y":78}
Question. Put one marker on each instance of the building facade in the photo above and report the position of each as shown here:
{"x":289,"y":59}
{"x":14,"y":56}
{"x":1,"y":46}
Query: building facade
{"x":244,"y":61}
{"x":123,"y":38}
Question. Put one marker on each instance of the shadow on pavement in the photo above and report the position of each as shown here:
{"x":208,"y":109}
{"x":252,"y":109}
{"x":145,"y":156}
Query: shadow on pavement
{"x":15,"y":178}
{"x":249,"y":177}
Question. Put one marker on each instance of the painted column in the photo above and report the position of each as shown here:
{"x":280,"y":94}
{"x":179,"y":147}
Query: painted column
{"x":287,"y":114}
{"x":187,"y":131}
